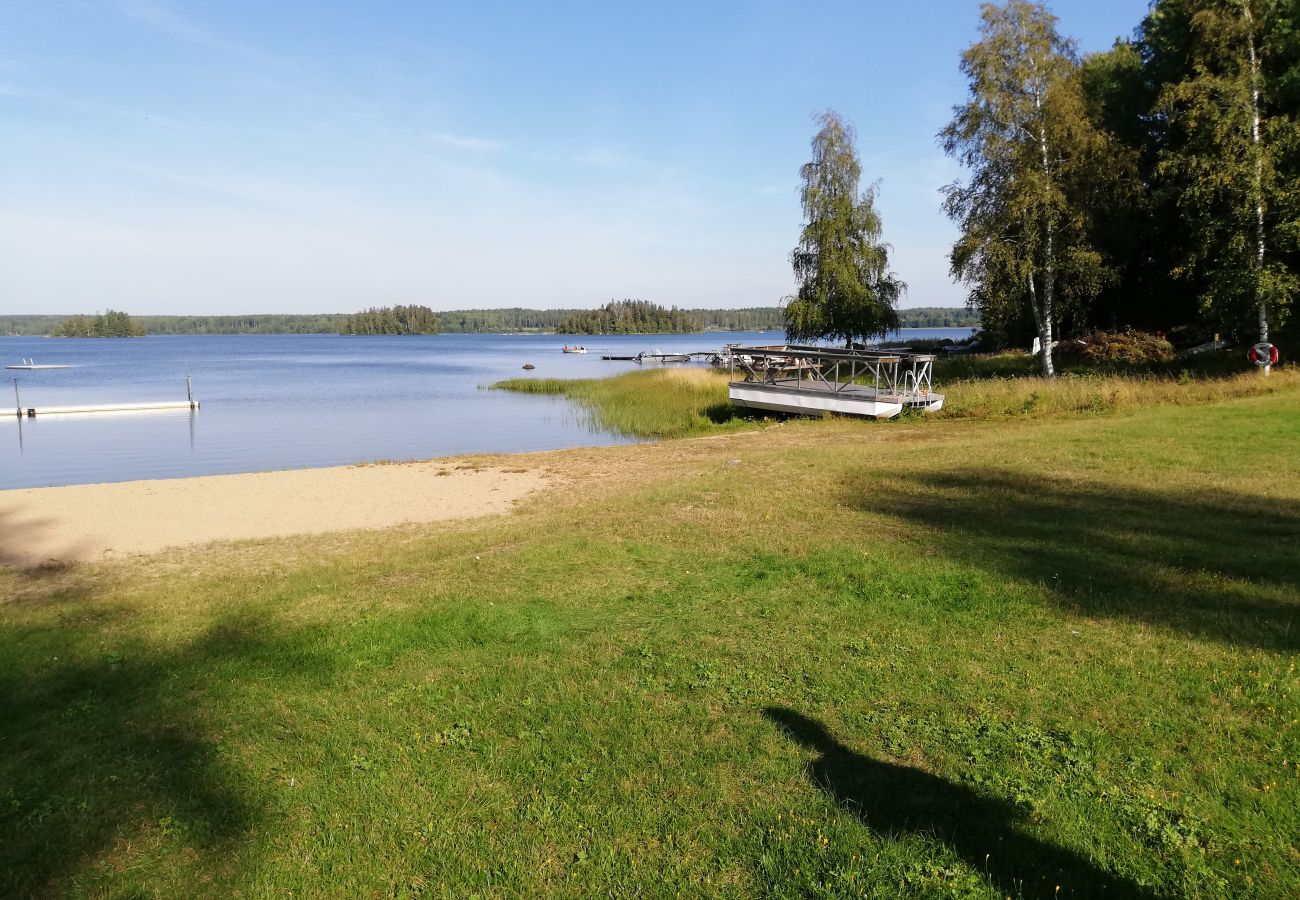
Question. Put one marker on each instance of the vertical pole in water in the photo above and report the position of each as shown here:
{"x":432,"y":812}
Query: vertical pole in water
{"x":18,"y":402}
{"x":189,"y":391}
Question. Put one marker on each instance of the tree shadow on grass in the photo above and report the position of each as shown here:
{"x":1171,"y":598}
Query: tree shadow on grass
{"x":895,"y":800}
{"x":21,"y":548}
{"x":1218,"y":565}
{"x":100,"y":747}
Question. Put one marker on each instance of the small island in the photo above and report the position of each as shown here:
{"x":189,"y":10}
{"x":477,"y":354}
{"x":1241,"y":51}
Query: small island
{"x":110,"y":324}
{"x":392,"y":320}
{"x":631,"y":317}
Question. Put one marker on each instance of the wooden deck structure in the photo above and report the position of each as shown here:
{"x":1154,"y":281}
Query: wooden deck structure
{"x":808,"y":380}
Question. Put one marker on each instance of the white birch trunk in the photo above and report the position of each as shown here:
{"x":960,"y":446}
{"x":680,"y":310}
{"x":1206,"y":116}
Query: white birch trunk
{"x":1044,"y":320}
{"x":1260,"y":300}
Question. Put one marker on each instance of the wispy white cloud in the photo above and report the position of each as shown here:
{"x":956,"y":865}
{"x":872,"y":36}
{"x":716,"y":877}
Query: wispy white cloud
{"x":163,"y":18}
{"x":464,"y":142}
{"x":92,"y":107}
{"x":603,"y":158}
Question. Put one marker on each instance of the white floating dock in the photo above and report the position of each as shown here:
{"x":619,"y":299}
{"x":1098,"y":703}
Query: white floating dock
{"x":815,"y":399}
{"x":31,"y":367}
{"x":819,"y":381}
{"x":33,"y":411}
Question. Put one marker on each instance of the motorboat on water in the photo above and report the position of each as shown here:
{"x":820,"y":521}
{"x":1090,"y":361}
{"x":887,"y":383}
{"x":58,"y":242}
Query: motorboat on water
{"x":579,"y":349}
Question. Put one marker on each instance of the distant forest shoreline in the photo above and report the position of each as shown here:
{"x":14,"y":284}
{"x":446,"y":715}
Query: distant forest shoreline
{"x":467,"y":321}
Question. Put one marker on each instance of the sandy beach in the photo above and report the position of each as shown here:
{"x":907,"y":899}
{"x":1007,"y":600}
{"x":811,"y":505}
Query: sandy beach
{"x":93,"y":522}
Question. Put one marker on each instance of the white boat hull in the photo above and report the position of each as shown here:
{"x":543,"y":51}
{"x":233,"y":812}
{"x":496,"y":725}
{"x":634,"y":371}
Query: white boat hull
{"x":814,"y":402}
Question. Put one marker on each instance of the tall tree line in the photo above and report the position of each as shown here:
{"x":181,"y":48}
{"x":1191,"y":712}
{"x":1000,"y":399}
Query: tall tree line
{"x":630,"y":317}
{"x":392,"y":320}
{"x":1154,"y":185}
{"x":112,"y":323}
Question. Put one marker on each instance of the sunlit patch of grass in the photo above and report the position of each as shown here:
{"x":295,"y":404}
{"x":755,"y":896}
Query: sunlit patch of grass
{"x":1074,"y":394}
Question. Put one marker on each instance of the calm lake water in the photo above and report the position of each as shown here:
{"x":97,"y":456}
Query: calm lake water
{"x":299,"y":401}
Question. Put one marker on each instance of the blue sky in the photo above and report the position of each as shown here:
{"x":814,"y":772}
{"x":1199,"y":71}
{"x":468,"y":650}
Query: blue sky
{"x":221,"y":156}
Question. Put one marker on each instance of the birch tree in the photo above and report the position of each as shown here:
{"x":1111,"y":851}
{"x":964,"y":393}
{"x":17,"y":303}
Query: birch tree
{"x":1027,"y":141}
{"x":1224,"y":159}
{"x":846,"y":289}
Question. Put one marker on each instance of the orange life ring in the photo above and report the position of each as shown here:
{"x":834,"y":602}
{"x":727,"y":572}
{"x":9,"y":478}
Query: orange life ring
{"x":1263,"y":354}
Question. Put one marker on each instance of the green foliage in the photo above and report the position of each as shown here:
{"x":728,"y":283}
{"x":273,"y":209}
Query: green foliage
{"x":749,"y":318}
{"x":392,"y":320}
{"x":1033,"y":156}
{"x":630,"y":317}
{"x":25,"y":325}
{"x":511,"y":320}
{"x":938,"y":317}
{"x":1124,"y":215}
{"x":325,"y":323}
{"x":846,"y":290}
{"x":1228,"y":152}
{"x":107,"y":324}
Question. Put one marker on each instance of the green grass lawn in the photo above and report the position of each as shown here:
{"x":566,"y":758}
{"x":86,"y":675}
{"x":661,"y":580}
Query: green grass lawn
{"x":829,"y":658}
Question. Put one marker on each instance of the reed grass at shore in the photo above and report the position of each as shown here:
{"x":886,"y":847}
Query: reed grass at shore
{"x":1083,"y":393}
{"x":692,"y":402}
{"x":662,"y":403}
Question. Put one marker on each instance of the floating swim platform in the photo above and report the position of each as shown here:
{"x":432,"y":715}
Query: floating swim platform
{"x":34,"y":411}
{"x":29,"y":365}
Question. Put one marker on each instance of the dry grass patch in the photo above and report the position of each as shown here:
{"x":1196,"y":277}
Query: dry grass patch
{"x":1076,"y":394}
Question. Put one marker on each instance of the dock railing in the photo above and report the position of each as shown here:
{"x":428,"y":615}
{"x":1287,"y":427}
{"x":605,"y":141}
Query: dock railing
{"x":886,"y":373}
